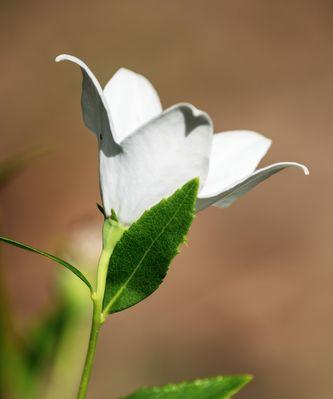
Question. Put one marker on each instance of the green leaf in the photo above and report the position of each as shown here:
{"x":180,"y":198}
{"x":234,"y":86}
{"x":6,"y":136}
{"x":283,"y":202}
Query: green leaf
{"x":141,"y":258}
{"x":68,"y":266}
{"x":209,"y":388}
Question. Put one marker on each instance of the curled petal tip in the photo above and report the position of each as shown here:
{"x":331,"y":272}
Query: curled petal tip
{"x":295,"y":164}
{"x":298,"y":165}
{"x":67,"y":57}
{"x":304,"y":168}
{"x":59,"y":58}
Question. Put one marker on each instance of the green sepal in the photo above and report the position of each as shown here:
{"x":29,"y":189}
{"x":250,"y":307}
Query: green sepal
{"x":141,"y":258}
{"x":62,"y":262}
{"x":208,"y":388}
{"x":114,"y":215}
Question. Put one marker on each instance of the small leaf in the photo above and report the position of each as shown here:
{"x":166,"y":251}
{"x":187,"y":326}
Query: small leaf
{"x":209,"y":388}
{"x":141,"y":258}
{"x":52,"y":257}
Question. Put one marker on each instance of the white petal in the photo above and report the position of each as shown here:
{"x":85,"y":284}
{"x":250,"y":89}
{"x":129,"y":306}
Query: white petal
{"x":235,"y":155}
{"x":132,"y":101}
{"x":95,"y":111}
{"x":229,"y":195}
{"x":156,"y":160}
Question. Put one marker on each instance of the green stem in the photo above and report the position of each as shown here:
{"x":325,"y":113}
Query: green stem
{"x":112,"y":232}
{"x":94,"y":333}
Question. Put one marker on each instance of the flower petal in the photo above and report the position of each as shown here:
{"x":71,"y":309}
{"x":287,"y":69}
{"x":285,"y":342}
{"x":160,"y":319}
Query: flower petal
{"x":235,"y":155}
{"x":156,"y":160}
{"x":132,"y":101}
{"x":95,"y":111}
{"x":227,"y":196}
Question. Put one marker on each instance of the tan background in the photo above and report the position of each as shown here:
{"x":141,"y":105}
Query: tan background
{"x":253,"y":292}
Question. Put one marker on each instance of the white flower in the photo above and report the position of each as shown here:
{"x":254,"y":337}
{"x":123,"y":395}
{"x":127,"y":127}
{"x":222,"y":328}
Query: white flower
{"x":145,"y":153}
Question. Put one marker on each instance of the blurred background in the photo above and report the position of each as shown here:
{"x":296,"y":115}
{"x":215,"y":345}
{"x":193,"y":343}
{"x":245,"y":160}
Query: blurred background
{"x":253,"y":291}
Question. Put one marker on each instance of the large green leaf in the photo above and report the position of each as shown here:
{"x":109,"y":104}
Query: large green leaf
{"x":141,"y":258}
{"x":209,"y":388}
{"x":52,"y":257}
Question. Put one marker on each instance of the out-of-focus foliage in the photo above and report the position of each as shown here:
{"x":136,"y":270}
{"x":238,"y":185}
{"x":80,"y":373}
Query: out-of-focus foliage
{"x":30,"y":358}
{"x":20,"y":362}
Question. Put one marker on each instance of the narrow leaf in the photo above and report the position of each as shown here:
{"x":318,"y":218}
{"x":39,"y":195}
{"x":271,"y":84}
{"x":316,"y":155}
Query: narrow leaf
{"x":141,"y":258}
{"x":209,"y":388}
{"x":52,"y":257}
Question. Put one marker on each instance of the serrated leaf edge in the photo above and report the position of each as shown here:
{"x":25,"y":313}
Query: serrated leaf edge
{"x":246,"y":378}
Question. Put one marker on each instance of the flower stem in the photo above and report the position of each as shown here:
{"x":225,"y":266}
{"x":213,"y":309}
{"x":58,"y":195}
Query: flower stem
{"x":112,"y":232}
{"x":94,"y":333}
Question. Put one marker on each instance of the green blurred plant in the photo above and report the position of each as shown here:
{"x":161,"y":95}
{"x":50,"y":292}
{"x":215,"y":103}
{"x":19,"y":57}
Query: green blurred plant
{"x":30,"y":361}
{"x":80,"y":245}
{"x":15,"y":357}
